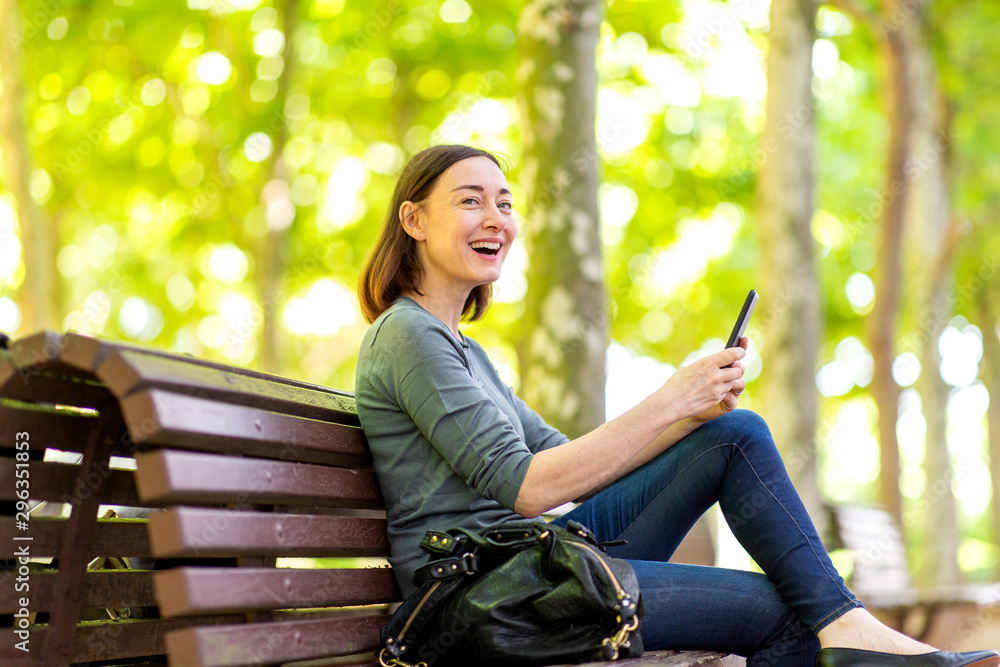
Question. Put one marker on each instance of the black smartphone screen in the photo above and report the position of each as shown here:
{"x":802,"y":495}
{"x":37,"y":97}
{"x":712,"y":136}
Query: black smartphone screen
{"x":741,"y":321}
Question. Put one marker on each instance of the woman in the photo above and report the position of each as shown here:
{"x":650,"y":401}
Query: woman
{"x":452,"y":445}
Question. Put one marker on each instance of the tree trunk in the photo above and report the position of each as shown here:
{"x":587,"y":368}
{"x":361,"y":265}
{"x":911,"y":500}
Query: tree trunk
{"x":929,"y":263}
{"x":277,"y":209}
{"x":915,"y":215}
{"x":882,"y":323}
{"x":565,"y":320}
{"x":987,"y":320}
{"x":789,"y":311}
{"x":38,"y":292}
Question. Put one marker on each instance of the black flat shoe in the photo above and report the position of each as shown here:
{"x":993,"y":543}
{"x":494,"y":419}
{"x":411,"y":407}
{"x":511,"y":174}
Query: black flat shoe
{"x":852,"y":657}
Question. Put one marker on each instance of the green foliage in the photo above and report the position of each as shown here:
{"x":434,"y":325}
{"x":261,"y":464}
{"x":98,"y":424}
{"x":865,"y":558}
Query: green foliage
{"x":152,"y":133}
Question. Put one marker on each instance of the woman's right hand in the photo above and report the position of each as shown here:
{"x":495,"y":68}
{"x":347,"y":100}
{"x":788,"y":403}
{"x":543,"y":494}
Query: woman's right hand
{"x":704,"y":384}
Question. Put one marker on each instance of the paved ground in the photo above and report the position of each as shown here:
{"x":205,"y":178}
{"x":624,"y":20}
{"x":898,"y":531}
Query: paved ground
{"x":967,"y":630}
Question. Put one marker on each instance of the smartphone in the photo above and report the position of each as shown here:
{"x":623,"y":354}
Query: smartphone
{"x":741,"y":321}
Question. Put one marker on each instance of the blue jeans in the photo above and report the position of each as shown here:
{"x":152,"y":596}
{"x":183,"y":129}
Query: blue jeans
{"x":772,"y":619}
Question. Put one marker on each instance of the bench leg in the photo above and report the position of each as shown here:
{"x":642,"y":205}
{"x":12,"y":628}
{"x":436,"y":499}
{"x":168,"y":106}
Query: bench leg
{"x":74,"y":549}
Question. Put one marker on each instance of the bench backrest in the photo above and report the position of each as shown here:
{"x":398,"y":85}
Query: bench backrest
{"x":236,"y":469}
{"x":235,"y":473}
{"x":875,"y":542}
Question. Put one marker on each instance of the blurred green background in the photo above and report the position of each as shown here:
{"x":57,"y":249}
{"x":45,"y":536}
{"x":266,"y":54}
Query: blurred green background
{"x":194,"y":172}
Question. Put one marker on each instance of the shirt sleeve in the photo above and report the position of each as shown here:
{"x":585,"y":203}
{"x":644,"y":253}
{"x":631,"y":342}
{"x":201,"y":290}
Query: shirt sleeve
{"x":422,"y":369}
{"x":538,"y":435}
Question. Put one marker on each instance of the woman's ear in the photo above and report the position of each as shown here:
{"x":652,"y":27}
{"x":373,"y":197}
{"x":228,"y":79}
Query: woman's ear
{"x":410,"y":216}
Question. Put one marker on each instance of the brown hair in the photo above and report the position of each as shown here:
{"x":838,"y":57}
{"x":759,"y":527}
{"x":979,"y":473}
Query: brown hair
{"x":393,"y":266}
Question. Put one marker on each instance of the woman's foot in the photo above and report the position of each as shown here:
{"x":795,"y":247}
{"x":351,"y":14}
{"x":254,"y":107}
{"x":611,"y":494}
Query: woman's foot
{"x":859,"y":629}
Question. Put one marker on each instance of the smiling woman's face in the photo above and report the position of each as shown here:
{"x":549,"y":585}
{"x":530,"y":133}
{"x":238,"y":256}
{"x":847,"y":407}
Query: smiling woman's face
{"x":464,"y":228}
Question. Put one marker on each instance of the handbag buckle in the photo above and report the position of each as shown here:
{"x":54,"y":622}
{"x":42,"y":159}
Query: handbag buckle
{"x":396,"y":662}
{"x":436,"y":543}
{"x":611,"y":645}
{"x":470,"y":563}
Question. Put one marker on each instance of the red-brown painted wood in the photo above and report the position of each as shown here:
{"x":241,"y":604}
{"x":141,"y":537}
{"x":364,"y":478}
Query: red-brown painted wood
{"x":196,"y":532}
{"x":174,"y":477}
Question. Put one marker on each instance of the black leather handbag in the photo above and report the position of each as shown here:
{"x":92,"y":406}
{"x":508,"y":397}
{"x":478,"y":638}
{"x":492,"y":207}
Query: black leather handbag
{"x":516,"y":594}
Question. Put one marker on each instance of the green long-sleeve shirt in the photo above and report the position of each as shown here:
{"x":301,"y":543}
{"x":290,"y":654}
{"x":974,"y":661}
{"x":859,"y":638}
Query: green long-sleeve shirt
{"x":450,"y":442}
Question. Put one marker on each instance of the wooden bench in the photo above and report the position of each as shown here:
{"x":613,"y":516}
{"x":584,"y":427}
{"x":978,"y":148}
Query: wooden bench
{"x":880,"y":574}
{"x":234,"y":471}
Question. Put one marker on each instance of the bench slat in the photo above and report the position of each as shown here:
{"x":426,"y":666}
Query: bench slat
{"x":93,"y":640}
{"x":101,"y":588}
{"x":870,"y":536}
{"x":211,"y":590}
{"x":877,"y":550}
{"x":57,"y":482}
{"x":272,"y":643}
{"x":175,"y":420}
{"x":197,"y":532}
{"x":173,"y":477}
{"x":889,"y":597}
{"x":876,"y":579}
{"x":125,"y":372}
{"x":987,"y":594}
{"x":7,"y":370}
{"x":112,"y":537}
{"x":87,"y":352}
{"x":43,"y":352}
{"x":47,"y":427}
{"x":45,"y":387}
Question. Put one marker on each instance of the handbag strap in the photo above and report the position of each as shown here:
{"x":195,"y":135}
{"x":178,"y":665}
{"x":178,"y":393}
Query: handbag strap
{"x":447,"y":568}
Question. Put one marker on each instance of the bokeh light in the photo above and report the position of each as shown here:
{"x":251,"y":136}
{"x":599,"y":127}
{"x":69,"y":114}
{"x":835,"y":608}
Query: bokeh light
{"x":455,"y":11}
{"x":153,"y":92}
{"x":322,"y":310}
{"x":226,"y":263}
{"x":618,"y":204}
{"x":257,"y":147}
{"x":621,"y":124}
{"x":512,"y":285}
{"x":905,"y":369}
{"x":269,"y":42}
{"x":825,"y":60}
{"x":140,"y":320}
{"x":699,"y":241}
{"x":344,"y":204}
{"x":966,"y":411}
{"x":850,"y":439}
{"x":213,"y":68}
{"x":860,"y":291}
{"x":631,"y":379}
{"x":181,"y":292}
{"x":10,"y":315}
{"x":57,"y":28}
{"x":961,"y":350}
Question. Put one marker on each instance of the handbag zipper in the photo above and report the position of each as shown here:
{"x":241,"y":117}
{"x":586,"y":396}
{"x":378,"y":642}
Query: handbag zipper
{"x":427,"y":595}
{"x":620,"y":638}
{"x":396,"y":662}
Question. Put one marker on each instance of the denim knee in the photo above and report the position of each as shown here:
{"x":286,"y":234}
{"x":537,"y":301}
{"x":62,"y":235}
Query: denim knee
{"x":744,"y":428}
{"x":745,"y":421}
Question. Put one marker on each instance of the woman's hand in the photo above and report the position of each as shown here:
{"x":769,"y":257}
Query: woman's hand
{"x":705,"y":389}
{"x":711,"y":386}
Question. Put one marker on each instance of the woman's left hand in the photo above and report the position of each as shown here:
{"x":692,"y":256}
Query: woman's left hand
{"x":730,"y":400}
